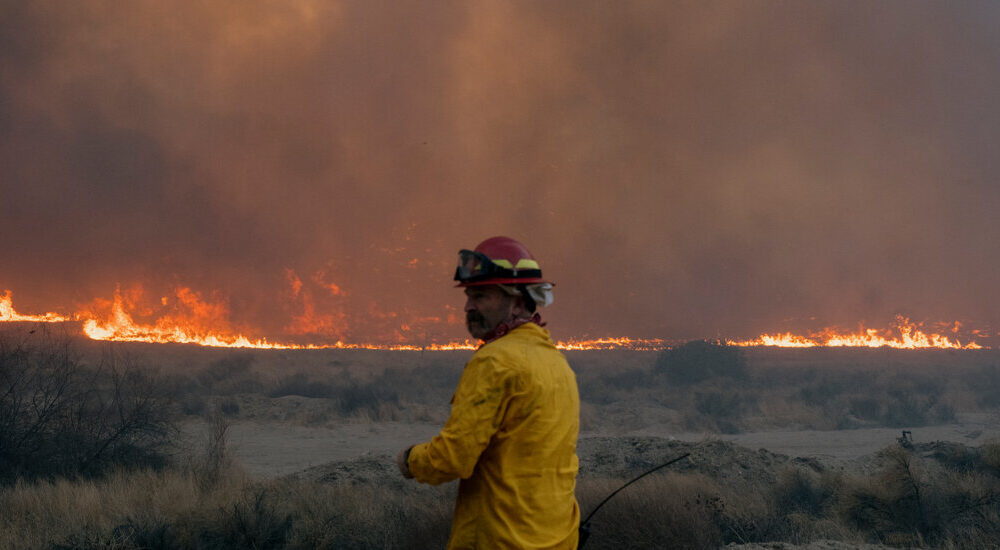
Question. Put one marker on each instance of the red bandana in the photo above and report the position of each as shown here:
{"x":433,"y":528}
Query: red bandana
{"x":507,"y":326}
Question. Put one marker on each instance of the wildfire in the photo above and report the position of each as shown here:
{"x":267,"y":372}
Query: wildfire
{"x":194,"y":326}
{"x":635,"y":344}
{"x":903,"y":335}
{"x":197,"y":321}
{"x":7,"y":313}
{"x":188,"y":318}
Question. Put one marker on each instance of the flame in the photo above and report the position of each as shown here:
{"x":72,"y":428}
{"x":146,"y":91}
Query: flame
{"x":120,"y":327}
{"x":187,"y":317}
{"x":195,"y":322}
{"x":610,"y":343}
{"x":310,"y":321}
{"x":905,"y":334}
{"x":7,"y":312}
{"x":198,"y":321}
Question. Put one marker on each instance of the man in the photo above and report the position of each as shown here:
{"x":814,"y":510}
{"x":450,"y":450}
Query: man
{"x":511,"y":436}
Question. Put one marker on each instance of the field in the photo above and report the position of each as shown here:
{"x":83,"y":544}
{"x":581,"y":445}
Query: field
{"x":207,"y":448}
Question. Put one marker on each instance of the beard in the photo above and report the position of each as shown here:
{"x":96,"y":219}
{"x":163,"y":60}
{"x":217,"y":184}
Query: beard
{"x":476,"y":324}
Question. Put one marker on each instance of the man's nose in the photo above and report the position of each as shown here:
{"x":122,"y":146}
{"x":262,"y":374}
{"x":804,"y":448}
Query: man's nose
{"x":469,"y":305}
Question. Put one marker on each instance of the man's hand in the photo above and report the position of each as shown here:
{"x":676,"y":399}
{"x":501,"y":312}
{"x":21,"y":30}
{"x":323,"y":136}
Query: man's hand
{"x":402,"y":460}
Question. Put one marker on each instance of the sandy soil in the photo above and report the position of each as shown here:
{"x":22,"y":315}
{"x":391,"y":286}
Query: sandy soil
{"x":362,"y":452}
{"x":972,"y":429}
{"x":270,"y":449}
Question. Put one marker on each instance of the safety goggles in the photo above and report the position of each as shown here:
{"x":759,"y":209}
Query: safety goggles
{"x":475,"y":266}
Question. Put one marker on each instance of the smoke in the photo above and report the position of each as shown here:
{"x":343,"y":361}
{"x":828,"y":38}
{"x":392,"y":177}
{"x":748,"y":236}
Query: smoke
{"x":680,"y":169}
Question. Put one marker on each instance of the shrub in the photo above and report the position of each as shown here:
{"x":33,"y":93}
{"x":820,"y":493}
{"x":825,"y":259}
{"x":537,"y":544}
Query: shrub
{"x":300,"y":384}
{"x":866,"y":408}
{"x":723,"y":408}
{"x":606,"y":388}
{"x":256,"y":520}
{"x":215,"y":460}
{"x":943,"y":413}
{"x":798,"y":490}
{"x":668,"y":511}
{"x":148,"y":531}
{"x":905,"y":505}
{"x":991,"y":455}
{"x":699,"y":360}
{"x":986,"y":384}
{"x":370,"y":398}
{"x":819,"y":394}
{"x":918,"y":406}
{"x":230,"y":375}
{"x":905,"y":409}
{"x":889,"y":507}
{"x":229,"y":406}
{"x":627,"y":380}
{"x":347,"y":516}
{"x":60,"y":417}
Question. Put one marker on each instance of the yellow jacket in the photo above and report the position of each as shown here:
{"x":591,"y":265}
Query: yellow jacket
{"x":511,"y":438}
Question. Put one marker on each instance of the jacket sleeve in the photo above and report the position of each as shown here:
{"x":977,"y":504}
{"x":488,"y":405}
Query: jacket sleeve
{"x":475,"y":417}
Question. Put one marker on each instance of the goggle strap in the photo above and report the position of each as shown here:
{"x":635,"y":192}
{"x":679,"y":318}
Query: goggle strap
{"x":488,"y":269}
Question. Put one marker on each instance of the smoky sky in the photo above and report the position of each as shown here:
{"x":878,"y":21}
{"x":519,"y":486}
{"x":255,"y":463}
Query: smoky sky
{"x":680,"y":169}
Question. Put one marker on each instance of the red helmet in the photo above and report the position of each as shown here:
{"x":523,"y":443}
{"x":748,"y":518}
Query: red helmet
{"x":497,"y":261}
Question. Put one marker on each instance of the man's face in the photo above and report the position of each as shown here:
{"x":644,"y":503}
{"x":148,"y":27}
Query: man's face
{"x":485,"y":308}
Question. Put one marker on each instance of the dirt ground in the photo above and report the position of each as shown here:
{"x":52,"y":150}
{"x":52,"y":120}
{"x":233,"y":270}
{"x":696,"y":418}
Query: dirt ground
{"x":270,"y":449}
{"x":297,"y":436}
{"x":363,"y":452}
{"x":269,"y":445}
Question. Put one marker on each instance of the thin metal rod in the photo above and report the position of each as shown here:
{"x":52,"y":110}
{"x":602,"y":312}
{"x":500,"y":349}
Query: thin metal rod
{"x":664,"y":465}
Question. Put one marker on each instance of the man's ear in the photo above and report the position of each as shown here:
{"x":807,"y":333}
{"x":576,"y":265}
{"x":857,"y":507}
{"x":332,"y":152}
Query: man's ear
{"x":519,"y":309}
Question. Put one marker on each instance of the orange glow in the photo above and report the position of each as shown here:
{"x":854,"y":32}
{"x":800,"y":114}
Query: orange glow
{"x":634,"y":344}
{"x":194,"y":321}
{"x":320,"y":279}
{"x":186,"y":317}
{"x":7,"y":312}
{"x":293,"y":281}
{"x":903,"y":335}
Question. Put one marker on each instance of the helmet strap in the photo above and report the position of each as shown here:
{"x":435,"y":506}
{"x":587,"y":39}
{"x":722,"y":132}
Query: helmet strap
{"x":529,"y":302}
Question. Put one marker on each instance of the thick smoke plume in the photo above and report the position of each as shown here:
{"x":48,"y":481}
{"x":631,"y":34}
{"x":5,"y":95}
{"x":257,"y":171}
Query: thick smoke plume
{"x":681,"y":169}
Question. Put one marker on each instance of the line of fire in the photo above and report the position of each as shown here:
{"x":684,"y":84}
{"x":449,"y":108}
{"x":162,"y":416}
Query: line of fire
{"x":118,"y":324}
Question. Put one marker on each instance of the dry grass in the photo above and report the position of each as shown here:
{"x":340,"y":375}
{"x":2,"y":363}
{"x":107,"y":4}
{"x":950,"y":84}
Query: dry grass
{"x":991,"y":455}
{"x":209,"y":502}
{"x":673,"y":510}
{"x":171,"y":509}
{"x":798,"y":389}
{"x":909,"y":501}
{"x":81,"y":512}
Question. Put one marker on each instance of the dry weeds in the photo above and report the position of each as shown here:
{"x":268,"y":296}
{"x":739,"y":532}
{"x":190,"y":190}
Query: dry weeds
{"x":930,"y":495}
{"x":916,"y":498}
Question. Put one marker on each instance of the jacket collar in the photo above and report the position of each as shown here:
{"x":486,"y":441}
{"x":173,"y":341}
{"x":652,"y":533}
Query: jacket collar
{"x":505,"y":327}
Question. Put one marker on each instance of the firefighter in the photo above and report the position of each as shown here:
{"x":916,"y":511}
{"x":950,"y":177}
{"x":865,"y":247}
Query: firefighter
{"x":511,"y":436}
